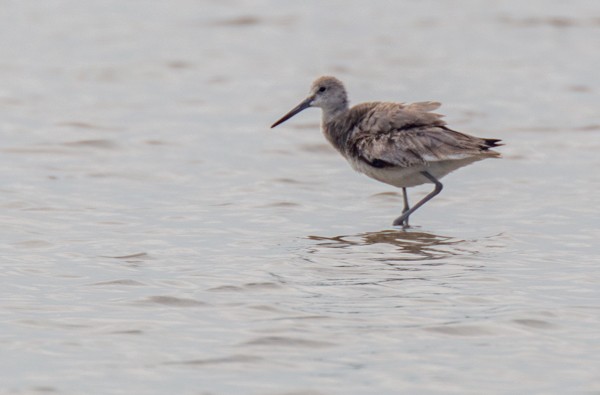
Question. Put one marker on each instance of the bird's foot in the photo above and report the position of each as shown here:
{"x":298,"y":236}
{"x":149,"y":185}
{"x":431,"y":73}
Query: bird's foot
{"x":403,"y":222}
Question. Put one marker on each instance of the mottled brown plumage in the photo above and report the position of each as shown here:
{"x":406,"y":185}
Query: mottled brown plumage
{"x":400,"y":144}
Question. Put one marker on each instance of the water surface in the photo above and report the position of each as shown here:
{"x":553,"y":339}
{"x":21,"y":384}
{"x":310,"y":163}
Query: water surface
{"x":159,"y":238}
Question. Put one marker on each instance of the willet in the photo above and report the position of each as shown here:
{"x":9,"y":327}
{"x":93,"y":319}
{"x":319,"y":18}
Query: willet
{"x":400,"y":144}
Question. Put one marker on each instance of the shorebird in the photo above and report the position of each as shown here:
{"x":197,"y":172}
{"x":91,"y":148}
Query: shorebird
{"x":400,"y":144}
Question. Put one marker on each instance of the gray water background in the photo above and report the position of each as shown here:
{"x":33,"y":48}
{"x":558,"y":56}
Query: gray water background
{"x":159,"y":238}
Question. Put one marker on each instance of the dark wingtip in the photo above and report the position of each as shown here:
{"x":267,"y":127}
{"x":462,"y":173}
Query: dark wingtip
{"x":491,"y":143}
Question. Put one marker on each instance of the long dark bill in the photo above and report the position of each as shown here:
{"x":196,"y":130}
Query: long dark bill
{"x":302,"y":106}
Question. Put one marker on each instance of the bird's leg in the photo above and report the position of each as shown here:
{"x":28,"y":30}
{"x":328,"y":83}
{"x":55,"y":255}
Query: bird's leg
{"x":406,"y":206}
{"x":403,"y":219}
{"x":405,"y":196}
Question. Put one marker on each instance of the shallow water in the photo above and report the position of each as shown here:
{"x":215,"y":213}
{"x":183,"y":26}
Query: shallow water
{"x":159,"y":238}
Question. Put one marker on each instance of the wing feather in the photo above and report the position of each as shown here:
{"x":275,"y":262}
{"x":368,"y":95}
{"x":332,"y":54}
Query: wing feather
{"x":398,"y":134}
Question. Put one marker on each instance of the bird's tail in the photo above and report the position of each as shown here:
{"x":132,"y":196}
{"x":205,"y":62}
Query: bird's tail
{"x":491,"y":143}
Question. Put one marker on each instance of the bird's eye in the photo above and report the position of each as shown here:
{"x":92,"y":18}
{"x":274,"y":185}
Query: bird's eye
{"x":322,"y":89}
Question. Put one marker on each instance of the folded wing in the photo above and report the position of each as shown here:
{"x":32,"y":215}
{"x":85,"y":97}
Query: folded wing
{"x":396,"y":134}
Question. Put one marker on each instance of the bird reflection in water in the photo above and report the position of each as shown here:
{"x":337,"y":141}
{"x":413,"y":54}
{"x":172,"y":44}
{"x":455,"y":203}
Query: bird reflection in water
{"x":412,"y":246}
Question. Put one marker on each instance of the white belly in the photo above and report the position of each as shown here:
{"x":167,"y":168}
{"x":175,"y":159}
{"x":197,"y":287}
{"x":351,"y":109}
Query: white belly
{"x":404,"y":177}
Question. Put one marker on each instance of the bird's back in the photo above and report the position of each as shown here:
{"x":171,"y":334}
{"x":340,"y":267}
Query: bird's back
{"x":381,"y":135}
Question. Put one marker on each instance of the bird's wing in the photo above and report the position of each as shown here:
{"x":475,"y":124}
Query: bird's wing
{"x":384,"y":117}
{"x":395,"y":134}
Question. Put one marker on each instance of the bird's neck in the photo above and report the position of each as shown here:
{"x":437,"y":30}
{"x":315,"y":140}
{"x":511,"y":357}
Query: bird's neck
{"x":334,"y":127}
{"x":331,"y":113}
